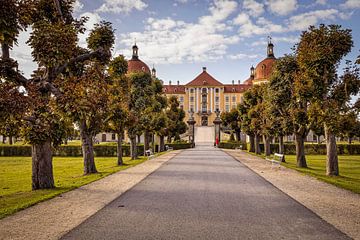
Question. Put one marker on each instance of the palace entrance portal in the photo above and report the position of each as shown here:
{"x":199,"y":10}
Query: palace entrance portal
{"x":204,"y":120}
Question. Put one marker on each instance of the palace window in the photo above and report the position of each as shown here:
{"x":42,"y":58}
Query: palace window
{"x":191,"y":99}
{"x":192,"y":108}
{"x":217,"y":99}
{"x":234,"y":106}
{"x":227,"y":108}
{"x":113,"y":136}
{"x":234,"y":99}
{"x":192,"y":90}
{"x":227,"y":99}
{"x":181,"y":99}
{"x":216,"y":90}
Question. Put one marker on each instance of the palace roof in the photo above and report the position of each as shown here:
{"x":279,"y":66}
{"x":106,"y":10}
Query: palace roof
{"x":174,"y":89}
{"x":264,"y":68}
{"x":204,"y":79}
{"x":136,"y":65}
{"x":235,"y":88}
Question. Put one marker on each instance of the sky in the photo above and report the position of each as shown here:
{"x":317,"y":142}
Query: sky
{"x":179,"y":37}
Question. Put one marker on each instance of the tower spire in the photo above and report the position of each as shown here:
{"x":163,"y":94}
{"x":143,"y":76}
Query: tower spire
{"x":135,"y":51}
{"x":270,"y":48}
{"x":153,"y":72}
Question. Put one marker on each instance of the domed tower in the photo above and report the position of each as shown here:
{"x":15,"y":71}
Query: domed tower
{"x":264,"y":69}
{"x":135,"y":64}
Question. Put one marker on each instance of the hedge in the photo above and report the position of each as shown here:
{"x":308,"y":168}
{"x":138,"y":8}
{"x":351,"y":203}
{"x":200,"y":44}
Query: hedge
{"x":75,"y":151}
{"x":232,"y":145}
{"x":290,"y":149}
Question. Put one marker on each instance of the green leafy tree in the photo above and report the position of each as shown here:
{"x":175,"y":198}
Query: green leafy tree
{"x":319,"y":53}
{"x":140,"y":105}
{"x":119,"y":101}
{"x":289,"y":103}
{"x":231,"y":119}
{"x":176,"y":124}
{"x":245,"y":120}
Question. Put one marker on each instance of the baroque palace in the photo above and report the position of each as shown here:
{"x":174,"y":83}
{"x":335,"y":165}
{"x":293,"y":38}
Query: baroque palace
{"x":205,"y":94}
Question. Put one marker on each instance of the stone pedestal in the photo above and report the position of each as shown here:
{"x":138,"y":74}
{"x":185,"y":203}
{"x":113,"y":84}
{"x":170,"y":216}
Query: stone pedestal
{"x":217,"y":122}
{"x":191,"y":122}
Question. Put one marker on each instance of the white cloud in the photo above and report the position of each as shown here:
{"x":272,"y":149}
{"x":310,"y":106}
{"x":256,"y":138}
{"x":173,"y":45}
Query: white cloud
{"x":303,"y":21}
{"x":282,"y":7}
{"x":170,"y":41}
{"x":22,"y":54}
{"x":93,"y":19}
{"x":122,"y":6}
{"x":243,"y":56}
{"x":321,"y":2}
{"x":78,"y":6}
{"x":261,"y":27}
{"x":253,"y":7}
{"x":351,"y":4}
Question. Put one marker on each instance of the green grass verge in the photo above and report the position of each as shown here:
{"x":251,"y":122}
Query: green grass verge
{"x":15,"y":179}
{"x":349,"y":168}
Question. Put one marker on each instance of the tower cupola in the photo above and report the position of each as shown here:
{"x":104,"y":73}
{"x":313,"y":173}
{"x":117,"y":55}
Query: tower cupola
{"x":270,"y":48}
{"x":252,"y":72}
{"x":153,"y":72}
{"x":135,"y":52}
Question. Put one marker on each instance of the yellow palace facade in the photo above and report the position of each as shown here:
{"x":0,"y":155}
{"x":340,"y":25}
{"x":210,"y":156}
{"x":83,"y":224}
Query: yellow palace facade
{"x":204,"y":95}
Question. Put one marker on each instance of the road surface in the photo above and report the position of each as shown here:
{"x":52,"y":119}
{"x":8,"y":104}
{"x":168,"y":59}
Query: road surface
{"x":203,"y":193}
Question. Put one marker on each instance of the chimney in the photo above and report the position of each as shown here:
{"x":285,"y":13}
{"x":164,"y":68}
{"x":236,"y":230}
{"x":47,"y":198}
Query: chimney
{"x":204,"y":69}
{"x":233,"y":82}
{"x":239,"y":82}
{"x":169,"y":82}
{"x":178,"y":83}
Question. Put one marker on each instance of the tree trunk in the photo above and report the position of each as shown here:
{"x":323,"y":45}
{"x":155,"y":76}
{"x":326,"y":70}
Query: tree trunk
{"x":281,"y":145}
{"x":146,"y":142}
{"x":138,"y":138}
{"x":10,"y":140}
{"x":168,"y":139}
{"x":87,"y":150}
{"x":350,"y":140}
{"x":133,"y":148}
{"x":119,"y":150}
{"x":4,"y":140}
{"x":267,"y":149}
{"x":257,"y":144}
{"x":300,"y":151}
{"x":252,"y":143}
{"x":42,"y":169}
{"x":332,"y":167}
{"x":318,"y":139}
{"x":162,"y":144}
{"x":237,"y":135}
{"x":5,"y":51}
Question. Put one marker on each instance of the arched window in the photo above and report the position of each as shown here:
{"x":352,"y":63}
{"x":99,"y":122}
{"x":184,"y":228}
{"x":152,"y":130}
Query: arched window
{"x":263,"y":68}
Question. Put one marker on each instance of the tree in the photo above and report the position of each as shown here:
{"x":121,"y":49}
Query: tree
{"x":176,"y":115}
{"x":289,"y":101}
{"x":245,"y":121}
{"x":53,"y":42}
{"x":231,"y":119}
{"x":319,"y":53}
{"x":119,"y":101}
{"x":141,"y":100}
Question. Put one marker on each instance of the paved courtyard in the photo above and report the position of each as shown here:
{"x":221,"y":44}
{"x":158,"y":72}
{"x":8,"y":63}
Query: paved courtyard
{"x":203,"y":193}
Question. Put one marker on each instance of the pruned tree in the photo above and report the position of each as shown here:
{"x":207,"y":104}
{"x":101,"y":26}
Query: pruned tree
{"x":119,"y":101}
{"x":231,"y":120}
{"x":245,"y":121}
{"x":319,"y":53}
{"x":176,"y":124}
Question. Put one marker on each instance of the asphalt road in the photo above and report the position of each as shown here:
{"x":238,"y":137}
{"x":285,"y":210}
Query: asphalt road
{"x":203,"y":193}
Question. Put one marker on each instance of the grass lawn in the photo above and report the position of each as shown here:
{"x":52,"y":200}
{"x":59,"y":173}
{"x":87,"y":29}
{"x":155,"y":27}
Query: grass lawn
{"x":349,"y":168}
{"x":15,"y":179}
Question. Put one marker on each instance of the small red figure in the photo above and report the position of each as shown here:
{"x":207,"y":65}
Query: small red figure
{"x":217,"y":141}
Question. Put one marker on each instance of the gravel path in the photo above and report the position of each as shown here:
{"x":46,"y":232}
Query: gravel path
{"x":203,"y":193}
{"x":337,"y":206}
{"x":53,"y":218}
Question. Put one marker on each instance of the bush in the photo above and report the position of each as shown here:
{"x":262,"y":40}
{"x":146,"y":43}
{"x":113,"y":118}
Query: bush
{"x":232,"y":145}
{"x":311,"y":149}
{"x":76,"y":151}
